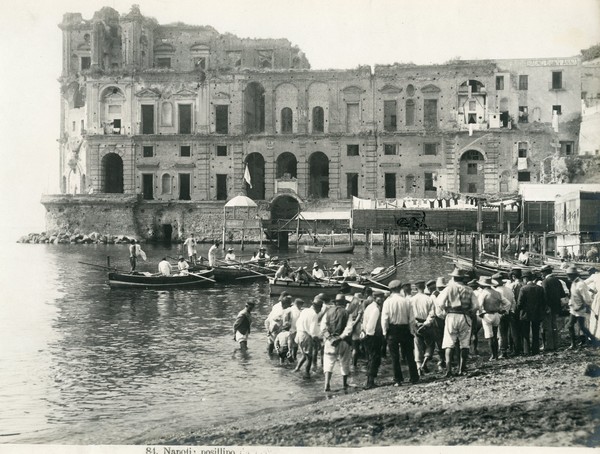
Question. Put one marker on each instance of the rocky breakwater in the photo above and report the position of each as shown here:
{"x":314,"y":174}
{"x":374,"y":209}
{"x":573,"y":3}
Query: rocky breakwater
{"x":75,"y":237}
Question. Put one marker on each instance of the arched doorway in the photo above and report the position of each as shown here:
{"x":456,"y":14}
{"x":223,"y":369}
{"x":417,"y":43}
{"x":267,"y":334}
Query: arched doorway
{"x":112,"y":173}
{"x":287,"y":165}
{"x":254,"y":108}
{"x":284,"y":207}
{"x":319,"y":175}
{"x":256,"y":167}
{"x":471,"y":172}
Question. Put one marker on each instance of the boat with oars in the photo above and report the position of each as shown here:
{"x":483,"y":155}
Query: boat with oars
{"x":146,"y":280}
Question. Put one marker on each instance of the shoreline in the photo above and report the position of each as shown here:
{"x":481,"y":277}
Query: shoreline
{"x":543,"y":400}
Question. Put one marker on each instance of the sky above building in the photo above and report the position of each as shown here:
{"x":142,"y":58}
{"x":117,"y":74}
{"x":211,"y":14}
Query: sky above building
{"x":336,"y":34}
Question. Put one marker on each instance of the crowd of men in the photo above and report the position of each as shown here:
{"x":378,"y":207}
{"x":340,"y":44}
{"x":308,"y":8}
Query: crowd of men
{"x":415,"y":321}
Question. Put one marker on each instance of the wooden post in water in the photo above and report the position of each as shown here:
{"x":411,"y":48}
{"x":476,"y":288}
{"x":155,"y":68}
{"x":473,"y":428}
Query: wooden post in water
{"x":297,"y":233}
{"x":108,"y":261}
{"x":409,"y":242}
{"x":384,"y":240}
{"x":455,"y":242}
{"x":544,"y":245}
{"x":243,"y":234}
{"x":370,"y":240}
{"x":499,"y":246}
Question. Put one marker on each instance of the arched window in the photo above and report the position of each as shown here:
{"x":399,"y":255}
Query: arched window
{"x":287,"y":123}
{"x":256,"y":167}
{"x":287,"y":165}
{"x":318,"y":119}
{"x":167,"y":187}
{"x":471,"y":172}
{"x":410,"y":112}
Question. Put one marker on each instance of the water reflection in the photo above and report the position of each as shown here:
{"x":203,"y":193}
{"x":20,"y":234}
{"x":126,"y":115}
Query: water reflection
{"x":92,"y":365}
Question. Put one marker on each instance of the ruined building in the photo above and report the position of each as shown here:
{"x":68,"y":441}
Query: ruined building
{"x":160,"y":123}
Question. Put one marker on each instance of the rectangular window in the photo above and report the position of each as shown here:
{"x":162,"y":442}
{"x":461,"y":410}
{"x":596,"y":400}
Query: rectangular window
{"x":148,"y":186}
{"x":163,"y":62}
{"x":523,"y":114}
{"x":82,"y":126}
{"x":410,"y":112}
{"x":221,"y":187}
{"x":499,"y":82}
{"x":184,"y":186}
{"x":557,"y":80}
{"x":390,"y":185}
{"x":389,"y":149}
{"x":351,"y":185}
{"x":389,"y":116}
{"x":524,"y":176}
{"x":147,"y":118}
{"x":352,"y":117}
{"x":221,"y":119}
{"x":185,"y":151}
{"x":73,"y":126}
{"x":221,"y":150}
{"x":147,"y":151}
{"x":556,"y":108}
{"x":523,"y":147}
{"x":116,"y":126}
{"x":471,"y":168}
{"x":523,"y":82}
{"x":430,"y":149}
{"x":352,"y":150}
{"x":567,"y":147}
{"x":430,"y":113}
{"x":185,"y":118}
{"x":429,"y":181}
{"x":472,"y":188}
{"x":86,"y":63}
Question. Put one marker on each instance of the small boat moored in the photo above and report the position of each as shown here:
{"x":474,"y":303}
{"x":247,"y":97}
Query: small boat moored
{"x":339,"y":249}
{"x":150,"y":281}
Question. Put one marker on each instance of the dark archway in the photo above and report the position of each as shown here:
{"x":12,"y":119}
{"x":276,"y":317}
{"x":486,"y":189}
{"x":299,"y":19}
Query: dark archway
{"x":319,"y":175}
{"x":471,"y":172}
{"x":256,"y":166}
{"x":254,"y":108}
{"x":287,"y":165}
{"x":112,"y":173}
{"x":284,"y":207}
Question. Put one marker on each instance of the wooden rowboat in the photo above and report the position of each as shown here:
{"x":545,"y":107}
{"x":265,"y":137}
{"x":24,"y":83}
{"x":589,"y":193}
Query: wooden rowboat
{"x":381,"y":276}
{"x":340,"y":249}
{"x":247,"y":271}
{"x":144,"y":281}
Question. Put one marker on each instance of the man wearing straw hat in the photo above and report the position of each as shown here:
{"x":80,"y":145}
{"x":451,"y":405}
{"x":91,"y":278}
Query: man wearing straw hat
{"x":459,"y":302}
{"x":317,"y":272}
{"x":579,"y":306}
{"x":491,"y":305}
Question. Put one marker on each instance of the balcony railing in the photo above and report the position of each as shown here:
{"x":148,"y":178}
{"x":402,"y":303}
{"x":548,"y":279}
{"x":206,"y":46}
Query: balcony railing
{"x":286,"y":184}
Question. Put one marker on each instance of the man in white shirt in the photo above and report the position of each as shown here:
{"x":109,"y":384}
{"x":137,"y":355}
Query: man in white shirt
{"x":372,"y":338}
{"x":505,"y":319}
{"x":349,"y":272}
{"x":164,"y":267}
{"x":422,"y":305}
{"x":307,"y":334}
{"x":524,"y":256}
{"x":290,"y":317}
{"x":230,"y":256}
{"x":190,"y":242}
{"x":182,"y":266}
{"x":317,"y":272}
{"x":580,"y":303}
{"x":212,"y":254}
{"x":398,"y":326}
{"x":274,"y":321}
{"x":337,"y":270}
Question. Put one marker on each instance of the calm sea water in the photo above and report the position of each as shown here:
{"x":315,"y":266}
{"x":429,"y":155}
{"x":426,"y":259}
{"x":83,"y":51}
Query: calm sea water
{"x":83,"y":364}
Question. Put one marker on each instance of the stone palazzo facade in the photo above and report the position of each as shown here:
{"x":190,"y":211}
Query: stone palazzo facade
{"x":168,"y":122}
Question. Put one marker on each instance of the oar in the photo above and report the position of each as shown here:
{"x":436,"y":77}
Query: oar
{"x":244,"y":265}
{"x":99,"y":266}
{"x":203,"y":277}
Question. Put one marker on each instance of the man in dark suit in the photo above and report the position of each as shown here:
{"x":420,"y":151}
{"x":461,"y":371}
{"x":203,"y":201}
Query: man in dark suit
{"x":554,"y":293}
{"x":531,"y":307}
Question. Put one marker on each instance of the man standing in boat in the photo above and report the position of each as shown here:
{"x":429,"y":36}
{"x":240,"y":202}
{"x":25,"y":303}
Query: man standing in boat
{"x":134,"y":251}
{"x":241,"y":327}
{"x":212,"y":254}
{"x":190,"y":243}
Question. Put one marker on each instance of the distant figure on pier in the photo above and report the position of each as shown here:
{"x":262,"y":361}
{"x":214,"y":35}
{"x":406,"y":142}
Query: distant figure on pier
{"x":523,"y":257}
{"x":190,"y":242}
{"x":164,"y":267}
{"x":212,"y":254}
{"x":241,"y":327}
{"x":230,"y":256}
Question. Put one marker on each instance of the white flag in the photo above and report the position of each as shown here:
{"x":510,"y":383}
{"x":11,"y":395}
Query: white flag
{"x":247,"y":176}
